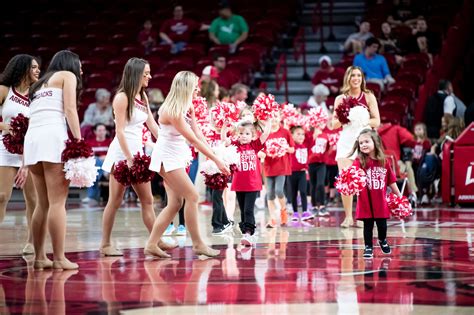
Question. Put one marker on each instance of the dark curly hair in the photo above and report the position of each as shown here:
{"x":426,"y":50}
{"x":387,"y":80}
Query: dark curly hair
{"x":63,"y":60}
{"x":16,"y":70}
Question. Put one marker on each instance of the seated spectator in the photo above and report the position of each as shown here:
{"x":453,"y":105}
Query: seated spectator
{"x":319,"y":97}
{"x":147,"y":37}
{"x":219,"y":62}
{"x":177,"y":31}
{"x":209,"y":73}
{"x":442,"y":102}
{"x":228,"y":29}
{"x":100,"y":145}
{"x":100,"y":112}
{"x":238,"y":92}
{"x":373,"y":65}
{"x":356,"y":41}
{"x":328,"y":75}
{"x":403,"y":12}
{"x":425,"y":40}
{"x":389,"y":43}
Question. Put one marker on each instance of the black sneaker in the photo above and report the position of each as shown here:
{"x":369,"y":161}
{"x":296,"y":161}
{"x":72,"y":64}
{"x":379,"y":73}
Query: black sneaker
{"x":218,"y":231}
{"x":384,"y":246}
{"x":368,"y":252}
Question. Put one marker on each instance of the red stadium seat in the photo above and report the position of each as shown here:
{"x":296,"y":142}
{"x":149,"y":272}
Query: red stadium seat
{"x":163,"y":51}
{"x":222,"y":50}
{"x":177,"y":65}
{"x":132,"y":51}
{"x":375,"y":88}
{"x":201,"y":64}
{"x":105,"y":51}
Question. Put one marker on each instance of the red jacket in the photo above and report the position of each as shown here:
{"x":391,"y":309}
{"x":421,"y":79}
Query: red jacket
{"x":395,"y":136}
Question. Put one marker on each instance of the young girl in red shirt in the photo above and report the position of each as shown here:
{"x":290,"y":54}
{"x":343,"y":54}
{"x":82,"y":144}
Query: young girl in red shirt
{"x":371,"y":203}
{"x":247,"y":180}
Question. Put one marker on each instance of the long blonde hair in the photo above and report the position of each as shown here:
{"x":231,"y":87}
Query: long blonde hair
{"x":131,"y":83}
{"x":346,"y":85}
{"x":378,"y":148}
{"x":180,"y":97}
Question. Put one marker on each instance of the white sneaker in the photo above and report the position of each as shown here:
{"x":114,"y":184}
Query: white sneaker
{"x":169,"y":230}
{"x":227,"y":228}
{"x":425,"y":200}
{"x":248,"y":240}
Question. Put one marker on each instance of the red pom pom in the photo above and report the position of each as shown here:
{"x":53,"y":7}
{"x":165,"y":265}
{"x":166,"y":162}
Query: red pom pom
{"x":200,"y":108}
{"x":14,"y":141}
{"x":218,"y":181}
{"x":351,"y":181}
{"x":317,"y":117}
{"x":265,"y":106}
{"x":342,"y":111}
{"x":76,"y":149}
{"x":399,"y":207}
{"x":122,"y":173}
{"x":224,"y":113}
{"x":139,"y":172}
{"x":276,"y":147}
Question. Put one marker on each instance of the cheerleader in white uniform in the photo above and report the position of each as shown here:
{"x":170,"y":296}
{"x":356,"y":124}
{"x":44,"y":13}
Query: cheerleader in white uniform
{"x":353,"y":86}
{"x":20,"y":72}
{"x":170,"y":157}
{"x":131,"y":110}
{"x":53,"y":104}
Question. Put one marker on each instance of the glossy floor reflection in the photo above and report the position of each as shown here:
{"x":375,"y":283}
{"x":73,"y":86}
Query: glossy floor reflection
{"x":304,"y":268}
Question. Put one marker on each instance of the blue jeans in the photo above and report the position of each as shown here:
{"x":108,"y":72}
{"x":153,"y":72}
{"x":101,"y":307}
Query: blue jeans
{"x":193,"y":169}
{"x":94,"y":191}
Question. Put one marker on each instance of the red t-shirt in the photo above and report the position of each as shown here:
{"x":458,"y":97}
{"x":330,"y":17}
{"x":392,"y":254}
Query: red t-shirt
{"x":333,"y":137}
{"x":334,"y":78}
{"x":248,"y":175}
{"x":99,"y":148}
{"x":318,"y":149}
{"x":299,"y":159}
{"x":279,"y":165}
{"x":419,"y":150}
{"x":378,"y":178}
{"x":179,"y":30}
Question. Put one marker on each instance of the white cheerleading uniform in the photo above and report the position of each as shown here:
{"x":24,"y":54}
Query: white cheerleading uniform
{"x":14,"y":104}
{"x":171,"y":150}
{"x":349,"y":135}
{"x":133,"y":136}
{"x":46,"y":137}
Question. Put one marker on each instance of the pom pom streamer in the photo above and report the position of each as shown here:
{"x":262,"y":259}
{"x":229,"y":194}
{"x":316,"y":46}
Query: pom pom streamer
{"x":224,"y":113}
{"x":399,"y":207}
{"x":14,"y":141}
{"x":351,"y":181}
{"x":317,"y":117}
{"x":213,"y":178}
{"x":359,"y":116}
{"x":276,"y":147}
{"x":265,"y":106}
{"x":137,"y":174}
{"x":82,"y":172}
{"x":342,"y":110}
{"x":201,"y":110}
{"x":76,"y":149}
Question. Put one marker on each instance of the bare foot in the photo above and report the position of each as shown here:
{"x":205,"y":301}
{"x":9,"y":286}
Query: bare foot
{"x":155,"y":251}
{"x":65,"y":265}
{"x":206,"y":251}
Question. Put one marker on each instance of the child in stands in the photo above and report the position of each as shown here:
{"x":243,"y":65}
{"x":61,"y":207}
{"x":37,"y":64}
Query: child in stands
{"x":371,"y":203}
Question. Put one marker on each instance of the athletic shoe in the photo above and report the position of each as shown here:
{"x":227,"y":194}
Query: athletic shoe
{"x":227,"y":228}
{"x":283,"y":216}
{"x":169,"y":230}
{"x":307,"y":216}
{"x":323,"y":212}
{"x":181,"y":230}
{"x":218,"y":231}
{"x":368,"y":252}
{"x":248,"y":240}
{"x":384,"y":246}
{"x":295,"y":217}
{"x":425,"y":200}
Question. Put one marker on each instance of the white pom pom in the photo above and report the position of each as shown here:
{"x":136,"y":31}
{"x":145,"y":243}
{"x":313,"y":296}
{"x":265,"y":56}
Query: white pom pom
{"x":359,"y":116}
{"x":209,"y":168}
{"x":82,"y":172}
{"x":228,"y":154}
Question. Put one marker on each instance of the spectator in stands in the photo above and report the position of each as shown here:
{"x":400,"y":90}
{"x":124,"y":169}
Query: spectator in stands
{"x":424,"y":40}
{"x":328,"y":75}
{"x":238,"y":92}
{"x":100,"y":111}
{"x":469,"y":114}
{"x":319,"y":97}
{"x":228,"y":29}
{"x":442,"y":102}
{"x":210,"y":91}
{"x":209,"y":73}
{"x":356,"y":41}
{"x":177,"y":31}
{"x":147,"y":37}
{"x":403,"y":12}
{"x":375,"y":66}
{"x":219,"y":62}
{"x":224,"y":95}
{"x":389,"y":43}
{"x":100,"y":145}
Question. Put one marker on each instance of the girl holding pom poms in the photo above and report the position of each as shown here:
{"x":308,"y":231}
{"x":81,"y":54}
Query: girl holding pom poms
{"x":170,"y":157}
{"x":371,"y":203}
{"x":53,"y":108}
{"x":355,"y":109}
{"x":19,"y":74}
{"x":131,"y":110}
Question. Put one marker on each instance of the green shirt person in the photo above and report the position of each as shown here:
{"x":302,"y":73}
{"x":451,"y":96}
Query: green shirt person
{"x":228,"y":29}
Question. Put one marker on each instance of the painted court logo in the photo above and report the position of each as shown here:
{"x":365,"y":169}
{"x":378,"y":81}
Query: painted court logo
{"x":469,"y":177}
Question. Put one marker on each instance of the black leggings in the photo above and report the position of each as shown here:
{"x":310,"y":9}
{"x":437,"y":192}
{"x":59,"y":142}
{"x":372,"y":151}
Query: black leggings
{"x":219,"y":216}
{"x":369,"y":230}
{"x":298,"y":182}
{"x":246,"y":200}
{"x":317,"y":177}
